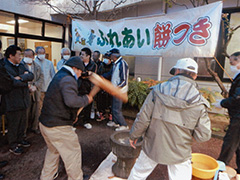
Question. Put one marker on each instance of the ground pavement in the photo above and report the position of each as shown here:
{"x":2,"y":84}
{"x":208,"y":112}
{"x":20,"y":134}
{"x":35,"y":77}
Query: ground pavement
{"x":95,"y":145}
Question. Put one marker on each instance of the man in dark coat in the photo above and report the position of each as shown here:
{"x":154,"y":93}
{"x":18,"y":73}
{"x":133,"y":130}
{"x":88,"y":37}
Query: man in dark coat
{"x":96,"y":59}
{"x":17,"y":100}
{"x":85,"y":86}
{"x":59,"y":111}
{"x":103,"y":99}
{"x":231,"y":141}
{"x":6,"y":84}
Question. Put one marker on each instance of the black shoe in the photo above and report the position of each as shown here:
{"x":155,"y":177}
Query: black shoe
{"x":238,"y":171}
{"x":36,"y":131}
{"x":3,"y":163}
{"x":1,"y":176}
{"x":86,"y":177}
{"x":55,"y":175}
{"x":25,"y":136}
{"x":17,"y":150}
{"x":24,"y":143}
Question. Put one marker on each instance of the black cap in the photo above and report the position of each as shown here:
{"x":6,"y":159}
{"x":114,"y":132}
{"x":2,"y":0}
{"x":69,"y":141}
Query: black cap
{"x":114,"y":51}
{"x":107,"y":55}
{"x":76,"y":62}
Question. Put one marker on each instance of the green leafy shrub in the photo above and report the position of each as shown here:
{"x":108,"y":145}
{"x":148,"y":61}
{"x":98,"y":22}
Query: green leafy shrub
{"x":137,"y":93}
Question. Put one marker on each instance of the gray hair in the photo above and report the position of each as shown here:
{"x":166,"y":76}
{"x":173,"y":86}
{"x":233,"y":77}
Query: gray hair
{"x":65,"y":49}
{"x":38,"y":48}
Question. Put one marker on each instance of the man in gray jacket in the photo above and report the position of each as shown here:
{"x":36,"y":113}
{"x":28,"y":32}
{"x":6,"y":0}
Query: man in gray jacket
{"x":35,"y":91}
{"x":173,"y":113}
{"x":47,"y":69}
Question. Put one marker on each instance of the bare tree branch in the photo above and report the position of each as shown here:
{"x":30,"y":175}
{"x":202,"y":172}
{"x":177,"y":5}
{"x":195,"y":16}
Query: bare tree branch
{"x":193,"y":2}
{"x":87,"y":6}
{"x":179,"y":4}
{"x":55,"y":8}
{"x":216,"y":78}
{"x":99,"y":5}
{"x":80,"y":4}
{"x":229,"y":35}
{"x":204,"y":2}
{"x":118,"y":3}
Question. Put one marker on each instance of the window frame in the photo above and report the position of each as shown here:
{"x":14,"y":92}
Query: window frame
{"x":17,"y":35}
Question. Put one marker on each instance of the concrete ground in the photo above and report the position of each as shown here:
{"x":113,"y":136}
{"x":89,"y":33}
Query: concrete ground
{"x":95,"y":145}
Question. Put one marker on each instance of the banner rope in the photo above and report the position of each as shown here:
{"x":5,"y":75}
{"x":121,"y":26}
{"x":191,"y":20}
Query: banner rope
{"x":223,"y":68}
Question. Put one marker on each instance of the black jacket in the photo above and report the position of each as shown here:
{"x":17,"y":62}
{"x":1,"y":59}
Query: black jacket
{"x":98,"y":63}
{"x":232,"y":103}
{"x":84,"y":85}
{"x":61,"y":101}
{"x":104,"y":68}
{"x":18,"y":98}
{"x":6,"y":82}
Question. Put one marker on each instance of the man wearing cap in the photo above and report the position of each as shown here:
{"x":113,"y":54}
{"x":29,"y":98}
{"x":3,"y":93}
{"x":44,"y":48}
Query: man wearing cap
{"x":103,"y":99}
{"x":119,"y":77}
{"x":59,"y":111}
{"x":173,"y":113}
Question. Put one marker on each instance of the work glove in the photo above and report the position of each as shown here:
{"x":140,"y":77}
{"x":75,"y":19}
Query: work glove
{"x":217,"y":104}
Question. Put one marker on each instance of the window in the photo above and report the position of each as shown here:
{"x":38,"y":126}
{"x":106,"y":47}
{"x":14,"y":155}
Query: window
{"x":202,"y":68}
{"x":32,"y":32}
{"x":7,"y":22}
{"x":52,"y":30}
{"x":29,"y":26}
{"x":53,"y":49}
{"x":234,"y":42}
{"x":6,"y":41}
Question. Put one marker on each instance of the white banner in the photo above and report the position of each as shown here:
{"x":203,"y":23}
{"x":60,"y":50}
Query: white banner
{"x":188,"y":33}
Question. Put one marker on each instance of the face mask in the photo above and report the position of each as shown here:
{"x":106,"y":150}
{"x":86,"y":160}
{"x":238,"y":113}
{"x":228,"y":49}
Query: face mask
{"x":66,"y":57}
{"x":28,"y":60}
{"x":41,"y":56}
{"x":106,"y":61}
{"x":234,"y":69}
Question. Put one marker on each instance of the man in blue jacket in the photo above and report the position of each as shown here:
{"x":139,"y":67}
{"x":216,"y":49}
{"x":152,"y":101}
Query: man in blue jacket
{"x":59,"y":111}
{"x":119,"y":77}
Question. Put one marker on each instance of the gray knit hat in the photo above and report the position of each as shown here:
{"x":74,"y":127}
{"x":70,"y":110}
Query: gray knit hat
{"x":76,"y":62}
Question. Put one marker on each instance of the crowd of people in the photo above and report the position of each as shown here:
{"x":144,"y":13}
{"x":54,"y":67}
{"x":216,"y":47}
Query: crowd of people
{"x":34,"y":98}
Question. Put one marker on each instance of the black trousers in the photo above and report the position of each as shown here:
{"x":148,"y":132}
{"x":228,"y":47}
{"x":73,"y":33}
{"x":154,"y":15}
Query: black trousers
{"x":103,"y":101}
{"x":84,"y":116}
{"x":231,"y":143}
{"x":16,"y":125}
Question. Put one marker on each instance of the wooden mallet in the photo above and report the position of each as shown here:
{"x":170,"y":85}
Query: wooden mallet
{"x":107,"y":86}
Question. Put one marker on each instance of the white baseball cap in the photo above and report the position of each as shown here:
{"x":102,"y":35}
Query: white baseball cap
{"x":186,"y":64}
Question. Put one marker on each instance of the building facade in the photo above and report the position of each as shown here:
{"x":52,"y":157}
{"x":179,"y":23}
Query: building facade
{"x":29,"y":25}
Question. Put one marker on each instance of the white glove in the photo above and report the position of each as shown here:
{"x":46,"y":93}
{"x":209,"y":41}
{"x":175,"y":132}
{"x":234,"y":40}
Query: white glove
{"x":217,"y":104}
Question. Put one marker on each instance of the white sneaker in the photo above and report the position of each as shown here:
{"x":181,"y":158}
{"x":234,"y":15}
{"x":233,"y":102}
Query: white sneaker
{"x":112,"y":124}
{"x":122,"y":128}
{"x":88,"y":126}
